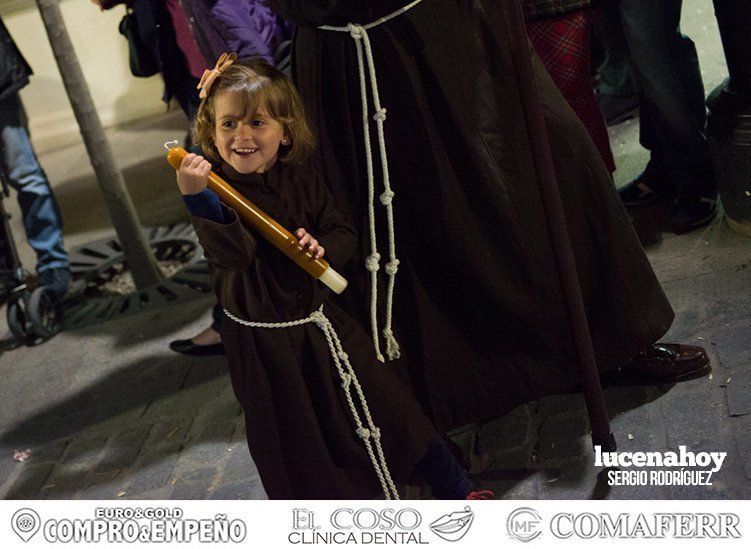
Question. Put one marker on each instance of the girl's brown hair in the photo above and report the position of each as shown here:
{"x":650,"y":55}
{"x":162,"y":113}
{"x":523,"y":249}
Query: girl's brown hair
{"x":255,"y":84}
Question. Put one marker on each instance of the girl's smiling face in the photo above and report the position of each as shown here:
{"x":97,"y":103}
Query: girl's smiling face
{"x":249,"y":142}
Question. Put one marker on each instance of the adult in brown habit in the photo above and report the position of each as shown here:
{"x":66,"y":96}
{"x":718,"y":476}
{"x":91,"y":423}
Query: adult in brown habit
{"x":476,"y":311}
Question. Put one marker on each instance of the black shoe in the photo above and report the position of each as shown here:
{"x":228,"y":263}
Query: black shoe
{"x":56,"y":280}
{"x":618,"y":108}
{"x":688,"y":214}
{"x":649,"y":186}
{"x":187,"y":347}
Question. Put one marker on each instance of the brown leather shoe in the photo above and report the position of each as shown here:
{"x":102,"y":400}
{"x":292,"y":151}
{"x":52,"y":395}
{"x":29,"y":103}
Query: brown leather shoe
{"x":662,"y":363}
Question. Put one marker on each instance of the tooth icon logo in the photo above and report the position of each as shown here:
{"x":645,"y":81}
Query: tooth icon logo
{"x":25,"y":523}
{"x":454,"y":526}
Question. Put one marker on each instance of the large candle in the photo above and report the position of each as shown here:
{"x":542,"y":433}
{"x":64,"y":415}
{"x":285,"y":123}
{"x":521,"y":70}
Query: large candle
{"x":272,"y":231}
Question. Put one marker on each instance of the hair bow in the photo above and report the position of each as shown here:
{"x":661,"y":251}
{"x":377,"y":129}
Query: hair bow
{"x":207,"y":80}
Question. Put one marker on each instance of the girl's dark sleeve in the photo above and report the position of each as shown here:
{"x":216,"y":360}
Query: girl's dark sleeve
{"x":229,"y":245}
{"x":333,"y":232}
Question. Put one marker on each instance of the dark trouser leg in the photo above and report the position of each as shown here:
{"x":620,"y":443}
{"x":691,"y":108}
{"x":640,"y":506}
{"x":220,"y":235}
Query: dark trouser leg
{"x":186,"y":94}
{"x":440,"y":468}
{"x":614,"y":71}
{"x":667,"y":67}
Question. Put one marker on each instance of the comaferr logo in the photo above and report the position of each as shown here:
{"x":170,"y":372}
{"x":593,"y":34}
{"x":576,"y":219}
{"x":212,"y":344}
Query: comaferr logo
{"x":453,"y":526}
{"x":641,"y":525}
{"x":524,"y":524}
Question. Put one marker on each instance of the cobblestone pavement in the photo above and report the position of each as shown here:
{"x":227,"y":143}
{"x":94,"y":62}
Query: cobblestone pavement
{"x":109,"y":412}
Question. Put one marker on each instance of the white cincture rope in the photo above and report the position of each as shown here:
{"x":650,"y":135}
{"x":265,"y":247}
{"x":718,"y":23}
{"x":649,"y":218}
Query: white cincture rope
{"x":365,"y":55}
{"x":348,"y":377}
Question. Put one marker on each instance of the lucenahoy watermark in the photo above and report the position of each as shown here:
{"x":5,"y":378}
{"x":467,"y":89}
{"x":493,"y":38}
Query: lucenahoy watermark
{"x":677,"y":463}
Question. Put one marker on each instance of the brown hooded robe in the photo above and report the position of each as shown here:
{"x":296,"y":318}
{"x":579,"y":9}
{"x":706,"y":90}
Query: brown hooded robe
{"x":478,"y":309}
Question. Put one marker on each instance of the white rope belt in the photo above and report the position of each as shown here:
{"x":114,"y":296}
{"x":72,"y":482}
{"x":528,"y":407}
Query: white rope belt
{"x":362,"y":42}
{"x":348,"y":377}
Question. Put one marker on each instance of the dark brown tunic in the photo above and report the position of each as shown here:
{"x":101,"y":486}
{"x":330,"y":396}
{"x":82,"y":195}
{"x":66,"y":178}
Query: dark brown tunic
{"x":300,"y":429}
{"x":479,"y":312}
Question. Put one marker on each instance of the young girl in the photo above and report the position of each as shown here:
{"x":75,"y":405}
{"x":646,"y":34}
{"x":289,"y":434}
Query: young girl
{"x":324,"y":418}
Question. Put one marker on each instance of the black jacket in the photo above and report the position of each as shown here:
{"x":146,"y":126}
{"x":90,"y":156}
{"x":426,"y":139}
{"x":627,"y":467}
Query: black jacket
{"x":158,"y":34}
{"x":14,"y":70}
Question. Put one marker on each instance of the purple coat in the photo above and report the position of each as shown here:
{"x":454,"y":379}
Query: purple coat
{"x":247,"y":27}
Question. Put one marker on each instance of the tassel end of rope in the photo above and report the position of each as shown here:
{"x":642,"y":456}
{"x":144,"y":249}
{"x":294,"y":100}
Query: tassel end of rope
{"x":392,"y":345}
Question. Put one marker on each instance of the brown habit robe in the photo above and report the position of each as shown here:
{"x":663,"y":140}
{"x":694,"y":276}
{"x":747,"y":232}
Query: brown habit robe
{"x":299,"y":427}
{"x":478,"y":308}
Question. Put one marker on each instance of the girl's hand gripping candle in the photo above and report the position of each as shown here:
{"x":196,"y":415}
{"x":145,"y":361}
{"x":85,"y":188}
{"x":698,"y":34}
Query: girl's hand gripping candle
{"x":303,"y":250}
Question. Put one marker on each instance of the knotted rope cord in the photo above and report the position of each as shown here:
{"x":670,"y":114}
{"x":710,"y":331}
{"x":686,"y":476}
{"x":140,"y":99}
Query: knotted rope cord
{"x":365,"y":55}
{"x":348,"y":377}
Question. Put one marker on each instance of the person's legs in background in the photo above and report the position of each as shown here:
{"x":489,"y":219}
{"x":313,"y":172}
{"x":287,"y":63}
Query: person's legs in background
{"x":614,"y":89}
{"x":673,"y":115}
{"x":40,"y":212}
{"x":185,"y":92}
{"x":207,"y":342}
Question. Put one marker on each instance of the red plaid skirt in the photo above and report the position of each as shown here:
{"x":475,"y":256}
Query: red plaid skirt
{"x":563,"y":44}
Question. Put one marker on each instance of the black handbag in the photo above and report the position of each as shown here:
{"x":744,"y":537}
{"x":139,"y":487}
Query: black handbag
{"x":141,"y":57}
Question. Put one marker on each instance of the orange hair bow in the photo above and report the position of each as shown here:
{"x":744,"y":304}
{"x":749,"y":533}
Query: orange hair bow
{"x":207,"y":80}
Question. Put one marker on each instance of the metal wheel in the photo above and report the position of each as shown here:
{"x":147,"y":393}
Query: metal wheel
{"x":44,"y":313}
{"x":19,"y":323}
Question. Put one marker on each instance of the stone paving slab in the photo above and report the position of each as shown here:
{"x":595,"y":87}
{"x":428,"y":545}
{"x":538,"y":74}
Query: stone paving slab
{"x":741,"y":428}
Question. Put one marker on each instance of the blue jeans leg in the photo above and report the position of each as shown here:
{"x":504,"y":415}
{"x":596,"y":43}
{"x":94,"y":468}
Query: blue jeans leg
{"x":673,"y":119}
{"x":20,"y":169}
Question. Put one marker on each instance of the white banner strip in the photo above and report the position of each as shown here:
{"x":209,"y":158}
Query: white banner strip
{"x":276,"y":524}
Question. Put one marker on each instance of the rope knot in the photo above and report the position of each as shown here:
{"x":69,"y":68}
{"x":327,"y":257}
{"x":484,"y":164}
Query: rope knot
{"x":346,"y":381}
{"x":371,"y":262}
{"x":343,"y":356}
{"x":386,"y":197}
{"x":355,"y":31}
{"x":363,"y":433}
{"x":380,"y":114}
{"x":376,"y":433}
{"x":392,"y":266}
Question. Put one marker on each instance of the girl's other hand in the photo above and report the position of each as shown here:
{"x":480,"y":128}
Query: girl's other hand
{"x":193,"y":174}
{"x":307,"y":240}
